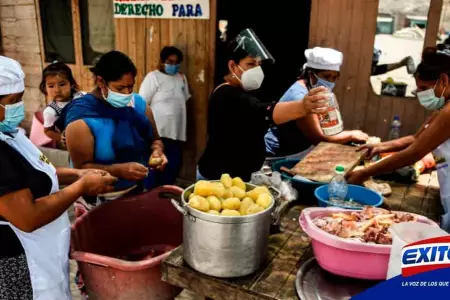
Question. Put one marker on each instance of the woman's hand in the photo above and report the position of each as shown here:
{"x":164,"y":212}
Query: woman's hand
{"x":83,"y":172}
{"x":374,"y":149}
{"x":95,"y":183}
{"x":359,"y":136}
{"x":357,"y":177}
{"x":159,"y":155}
{"x":316,"y":101}
{"x":131,"y":171}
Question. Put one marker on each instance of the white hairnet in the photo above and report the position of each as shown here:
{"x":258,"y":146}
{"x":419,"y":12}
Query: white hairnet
{"x":324,"y":59}
{"x":11,"y":76}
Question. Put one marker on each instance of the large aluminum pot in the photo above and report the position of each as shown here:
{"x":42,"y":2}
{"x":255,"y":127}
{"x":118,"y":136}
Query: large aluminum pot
{"x":223,"y":246}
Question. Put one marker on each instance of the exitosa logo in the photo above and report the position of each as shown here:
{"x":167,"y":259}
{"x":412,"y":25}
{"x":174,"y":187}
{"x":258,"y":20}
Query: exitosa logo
{"x":427,"y":255}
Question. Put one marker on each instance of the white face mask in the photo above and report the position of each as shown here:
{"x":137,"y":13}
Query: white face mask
{"x":252,"y":78}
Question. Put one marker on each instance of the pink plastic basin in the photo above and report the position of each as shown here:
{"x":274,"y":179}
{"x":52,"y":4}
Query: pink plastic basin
{"x":119,"y":246}
{"x":347,"y":257}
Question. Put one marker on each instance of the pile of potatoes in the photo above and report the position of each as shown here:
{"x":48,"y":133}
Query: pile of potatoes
{"x":229,"y":197}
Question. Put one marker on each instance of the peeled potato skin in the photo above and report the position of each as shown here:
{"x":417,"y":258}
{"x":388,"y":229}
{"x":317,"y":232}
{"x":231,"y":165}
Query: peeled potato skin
{"x":237,"y":181}
{"x":230,"y":212}
{"x":245,"y":204}
{"x":254,"y":209}
{"x":237,"y":192}
{"x":199,"y":203}
{"x":254,"y":194}
{"x":194,"y":202}
{"x":226,"y":180}
{"x":219,"y":189}
{"x":204,"y":188}
{"x":264,"y":200}
{"x":228,"y":194}
{"x":231,"y":204}
{"x":214,"y":203}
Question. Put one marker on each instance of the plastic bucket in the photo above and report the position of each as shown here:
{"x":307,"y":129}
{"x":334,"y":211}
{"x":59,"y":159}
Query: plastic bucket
{"x":357,"y":193}
{"x":119,"y":246}
{"x":404,"y":234}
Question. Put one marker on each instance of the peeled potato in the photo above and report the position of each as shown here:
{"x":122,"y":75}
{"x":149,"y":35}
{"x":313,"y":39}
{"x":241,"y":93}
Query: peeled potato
{"x":191,"y":195}
{"x":214,"y":203}
{"x":264,"y":200}
{"x":254,"y":194}
{"x":213,"y":212}
{"x":199,"y":203}
{"x":226,"y":180}
{"x":219,"y":189}
{"x":254,"y":209}
{"x":204,"y":188}
{"x":230,"y":213}
{"x":155,"y":161}
{"x":237,"y":192}
{"x":237,"y":181}
{"x":245,"y":204}
{"x":228,"y":194}
{"x":231,"y":203}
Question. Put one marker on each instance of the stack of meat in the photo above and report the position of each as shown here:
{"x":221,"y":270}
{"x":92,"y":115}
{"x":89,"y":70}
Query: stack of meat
{"x":369,"y":225}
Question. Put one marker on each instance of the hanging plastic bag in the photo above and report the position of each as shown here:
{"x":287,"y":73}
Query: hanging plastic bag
{"x":286,"y":193}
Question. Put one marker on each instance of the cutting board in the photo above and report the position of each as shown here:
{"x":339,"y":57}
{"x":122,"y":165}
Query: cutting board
{"x":320,"y":164}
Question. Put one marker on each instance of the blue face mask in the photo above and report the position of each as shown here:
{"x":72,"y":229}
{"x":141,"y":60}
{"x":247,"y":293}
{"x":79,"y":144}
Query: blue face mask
{"x":171,"y":69}
{"x":118,"y":99}
{"x":14,"y":115}
{"x":323,"y":82}
{"x":429,"y":100}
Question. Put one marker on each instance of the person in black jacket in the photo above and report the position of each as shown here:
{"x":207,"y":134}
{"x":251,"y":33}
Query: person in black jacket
{"x":238,"y":121}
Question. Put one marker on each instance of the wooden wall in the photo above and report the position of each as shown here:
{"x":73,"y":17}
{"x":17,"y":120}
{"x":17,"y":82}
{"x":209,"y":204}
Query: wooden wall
{"x":142,"y":40}
{"x":350,"y":26}
{"x":20,"y":41}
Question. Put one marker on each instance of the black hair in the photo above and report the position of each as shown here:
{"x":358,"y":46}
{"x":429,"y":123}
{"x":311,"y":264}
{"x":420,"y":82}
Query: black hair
{"x":304,"y":75}
{"x":58,"y":68}
{"x":171,"y":50}
{"x":434,"y":63}
{"x":113,"y":65}
{"x":235,"y":52}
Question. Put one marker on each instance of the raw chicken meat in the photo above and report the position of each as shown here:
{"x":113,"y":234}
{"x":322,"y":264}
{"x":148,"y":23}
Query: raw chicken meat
{"x":369,"y":225}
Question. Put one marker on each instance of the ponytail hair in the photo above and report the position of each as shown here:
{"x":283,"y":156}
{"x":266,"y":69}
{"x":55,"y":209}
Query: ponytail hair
{"x":435,"y":61}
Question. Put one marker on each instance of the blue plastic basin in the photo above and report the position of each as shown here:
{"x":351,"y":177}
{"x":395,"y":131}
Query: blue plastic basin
{"x":357,"y":193}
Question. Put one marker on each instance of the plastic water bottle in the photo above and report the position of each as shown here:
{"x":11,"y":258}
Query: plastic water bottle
{"x":395,"y":129}
{"x":337,"y":189}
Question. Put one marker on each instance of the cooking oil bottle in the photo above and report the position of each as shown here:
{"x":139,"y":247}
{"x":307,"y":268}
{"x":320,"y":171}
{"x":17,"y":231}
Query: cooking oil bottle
{"x":331,"y":120}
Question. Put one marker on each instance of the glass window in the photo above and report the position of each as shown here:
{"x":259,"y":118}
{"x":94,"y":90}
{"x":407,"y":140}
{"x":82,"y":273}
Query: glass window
{"x":401,"y":29}
{"x":57,"y":30}
{"x":444,"y":26}
{"x":97,"y":28}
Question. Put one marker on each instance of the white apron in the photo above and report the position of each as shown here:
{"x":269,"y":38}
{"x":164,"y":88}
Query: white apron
{"x":47,"y":248}
{"x":442,"y":158}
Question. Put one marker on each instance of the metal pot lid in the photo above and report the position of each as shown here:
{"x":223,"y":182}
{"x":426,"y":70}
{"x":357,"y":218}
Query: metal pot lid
{"x":314,"y":283}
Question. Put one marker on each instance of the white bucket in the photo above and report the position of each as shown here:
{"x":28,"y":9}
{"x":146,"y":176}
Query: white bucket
{"x":404,"y":234}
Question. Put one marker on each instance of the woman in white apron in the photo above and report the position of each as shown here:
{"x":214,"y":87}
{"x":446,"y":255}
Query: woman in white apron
{"x":433,"y":91}
{"x":34,"y":225}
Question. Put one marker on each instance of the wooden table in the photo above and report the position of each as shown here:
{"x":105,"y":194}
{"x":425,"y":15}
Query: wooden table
{"x":288,"y":250}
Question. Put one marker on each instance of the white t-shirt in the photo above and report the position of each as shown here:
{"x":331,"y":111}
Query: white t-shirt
{"x":167,"y":96}
{"x":51,"y":116}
